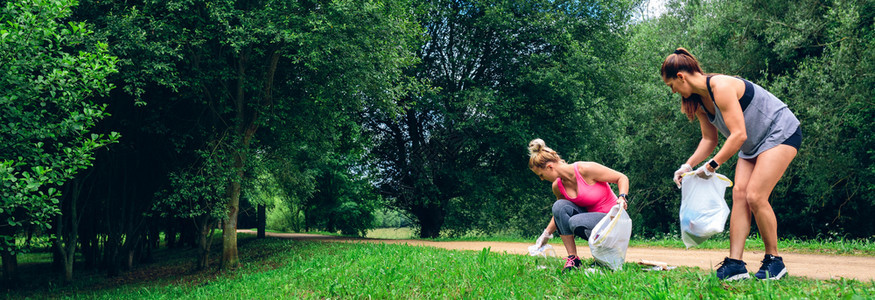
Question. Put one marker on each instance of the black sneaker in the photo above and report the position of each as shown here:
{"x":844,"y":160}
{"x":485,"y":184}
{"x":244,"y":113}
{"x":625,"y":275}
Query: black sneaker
{"x":773,"y":268}
{"x":732,"y":269}
{"x":572,"y":262}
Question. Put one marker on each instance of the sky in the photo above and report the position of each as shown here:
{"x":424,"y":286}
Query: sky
{"x":654,"y":8}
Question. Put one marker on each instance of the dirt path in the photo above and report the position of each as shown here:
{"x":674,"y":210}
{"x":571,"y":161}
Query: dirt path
{"x":813,"y":266}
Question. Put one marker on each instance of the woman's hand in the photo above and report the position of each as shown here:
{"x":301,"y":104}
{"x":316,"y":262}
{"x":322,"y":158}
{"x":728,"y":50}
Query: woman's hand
{"x":680,"y":173}
{"x":624,"y":200}
{"x":542,"y":240}
{"x":704,"y":171}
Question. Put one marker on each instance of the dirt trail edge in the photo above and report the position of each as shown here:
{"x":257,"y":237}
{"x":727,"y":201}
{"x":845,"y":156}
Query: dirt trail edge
{"x":805,"y":265}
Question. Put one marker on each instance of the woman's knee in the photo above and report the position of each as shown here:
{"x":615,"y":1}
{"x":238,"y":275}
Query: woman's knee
{"x":562,"y":207}
{"x":756,"y":199}
{"x":739,"y":197}
{"x":582,"y":232}
{"x":739,"y":193}
{"x":583,"y":224}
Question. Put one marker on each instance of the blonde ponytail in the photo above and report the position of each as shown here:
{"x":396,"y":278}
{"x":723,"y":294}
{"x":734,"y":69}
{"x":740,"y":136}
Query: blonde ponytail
{"x":540,"y":154}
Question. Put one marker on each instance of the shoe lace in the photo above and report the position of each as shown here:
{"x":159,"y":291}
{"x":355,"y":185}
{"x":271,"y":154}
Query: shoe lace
{"x":722,"y":263}
{"x":725,"y":263}
{"x":569,"y":262}
{"x":766,"y":262}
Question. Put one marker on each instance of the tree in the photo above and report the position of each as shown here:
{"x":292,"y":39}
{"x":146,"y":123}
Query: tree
{"x":48,"y":75}
{"x":246,"y":65}
{"x":342,"y":199}
{"x":828,"y":193}
{"x":653,"y":137}
{"x":497,"y":70}
{"x":815,"y":56}
{"x":322,"y":183}
{"x":195,"y":196}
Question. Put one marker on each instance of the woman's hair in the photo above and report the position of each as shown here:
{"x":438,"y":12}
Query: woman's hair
{"x":690,"y":104}
{"x":540,"y":154}
{"x":682,"y":60}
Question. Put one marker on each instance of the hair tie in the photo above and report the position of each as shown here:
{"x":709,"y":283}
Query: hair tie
{"x":678,"y":51}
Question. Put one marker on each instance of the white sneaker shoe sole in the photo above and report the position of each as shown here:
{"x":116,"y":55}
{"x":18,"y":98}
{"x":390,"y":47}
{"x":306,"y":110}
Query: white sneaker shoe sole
{"x":779,"y":276}
{"x":737,"y":277}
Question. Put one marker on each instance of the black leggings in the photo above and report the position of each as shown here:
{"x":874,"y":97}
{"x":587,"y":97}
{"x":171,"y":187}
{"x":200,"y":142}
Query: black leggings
{"x":795,"y":140}
{"x":572,"y":219}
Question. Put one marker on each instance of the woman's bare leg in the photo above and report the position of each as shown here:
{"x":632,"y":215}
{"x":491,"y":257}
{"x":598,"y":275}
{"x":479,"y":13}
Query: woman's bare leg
{"x":570,"y":246}
{"x":768,"y":169}
{"x":740,"y":217}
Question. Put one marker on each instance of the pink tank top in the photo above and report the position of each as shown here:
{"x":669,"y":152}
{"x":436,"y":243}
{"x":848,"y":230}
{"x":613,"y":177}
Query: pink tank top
{"x":594,"y":198}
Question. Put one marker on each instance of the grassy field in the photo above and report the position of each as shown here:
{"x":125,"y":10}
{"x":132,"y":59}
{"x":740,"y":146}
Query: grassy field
{"x":391,"y":233}
{"x":720,"y":241}
{"x":276,"y":268}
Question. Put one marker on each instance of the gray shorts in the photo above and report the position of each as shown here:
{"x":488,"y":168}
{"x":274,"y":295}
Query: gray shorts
{"x":573,"y":219}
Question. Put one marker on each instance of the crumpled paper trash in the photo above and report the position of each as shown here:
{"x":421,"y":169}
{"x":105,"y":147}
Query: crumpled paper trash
{"x":650,"y":265}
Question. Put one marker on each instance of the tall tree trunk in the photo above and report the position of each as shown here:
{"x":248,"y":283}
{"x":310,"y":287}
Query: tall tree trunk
{"x":170,"y":234}
{"x":230,"y":259}
{"x":65,"y":244}
{"x":57,"y":262}
{"x":261,"y":218}
{"x":112,"y":227}
{"x":130,"y":228}
{"x":10,"y":267}
{"x":188,"y":236}
{"x":205,"y":233}
{"x":10,"y":261}
{"x":431,"y":219}
{"x":152,"y":242}
{"x":132,"y":248}
{"x":247,"y":125}
{"x":110,"y":254}
{"x":88,"y":239}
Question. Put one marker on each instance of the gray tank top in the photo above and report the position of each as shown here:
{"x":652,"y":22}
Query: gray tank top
{"x":768,"y":121}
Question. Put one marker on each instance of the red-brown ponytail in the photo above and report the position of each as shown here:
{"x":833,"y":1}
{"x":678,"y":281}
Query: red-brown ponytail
{"x":680,"y":60}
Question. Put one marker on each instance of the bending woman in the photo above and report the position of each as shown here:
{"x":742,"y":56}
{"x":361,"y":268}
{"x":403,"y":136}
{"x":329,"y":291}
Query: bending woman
{"x":583,"y":196}
{"x":764,"y":133}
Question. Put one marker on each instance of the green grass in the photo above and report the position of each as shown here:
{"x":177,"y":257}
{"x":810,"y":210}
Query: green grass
{"x":754,"y":242}
{"x":721,"y":241}
{"x":278,"y":268}
{"x":391,"y":233}
{"x":34,"y":257}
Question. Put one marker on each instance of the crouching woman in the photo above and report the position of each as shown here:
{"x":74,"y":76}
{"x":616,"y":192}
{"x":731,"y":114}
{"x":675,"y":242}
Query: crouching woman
{"x":583,"y":196}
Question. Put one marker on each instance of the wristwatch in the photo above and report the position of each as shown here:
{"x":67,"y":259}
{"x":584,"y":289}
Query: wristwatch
{"x":625,"y":197}
{"x":713,"y":164}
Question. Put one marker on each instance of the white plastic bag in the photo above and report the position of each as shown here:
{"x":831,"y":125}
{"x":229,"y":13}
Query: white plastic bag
{"x":703,"y":210}
{"x":545,"y":251}
{"x":609,"y":239}
{"x":543,"y":255}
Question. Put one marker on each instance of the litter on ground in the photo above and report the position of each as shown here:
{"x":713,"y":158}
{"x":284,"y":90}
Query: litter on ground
{"x":655,"y":265}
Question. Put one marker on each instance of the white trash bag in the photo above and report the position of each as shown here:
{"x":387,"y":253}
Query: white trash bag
{"x":703,"y":210}
{"x":609,"y":239}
